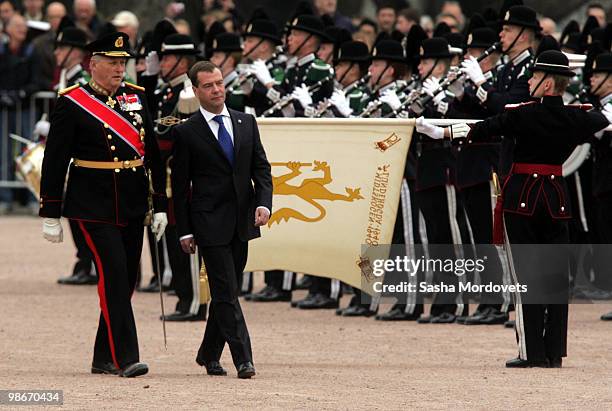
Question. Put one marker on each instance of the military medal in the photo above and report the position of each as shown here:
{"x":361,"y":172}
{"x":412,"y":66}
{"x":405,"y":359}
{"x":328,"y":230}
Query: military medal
{"x":129,"y":102}
{"x":110,"y":102}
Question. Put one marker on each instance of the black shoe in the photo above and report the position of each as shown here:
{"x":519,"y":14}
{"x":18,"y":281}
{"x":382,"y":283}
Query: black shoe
{"x":475,"y":318}
{"x":249,"y":297}
{"x":246,"y":370}
{"x":214,"y":368}
{"x":271,"y":295}
{"x":320,"y":301}
{"x":424,"y":319}
{"x":104,"y":368}
{"x":495,"y":317}
{"x":181,"y":316}
{"x":357,"y":311}
{"x":555,"y":362}
{"x":510,"y":324}
{"x":607,"y":317}
{"x":520,"y":363}
{"x":397,"y":314}
{"x":79,"y":278}
{"x":339,"y":311}
{"x":134,"y":370}
{"x":151,"y":288}
{"x":444,"y":318}
{"x":308,"y":297}
{"x":303,"y":283}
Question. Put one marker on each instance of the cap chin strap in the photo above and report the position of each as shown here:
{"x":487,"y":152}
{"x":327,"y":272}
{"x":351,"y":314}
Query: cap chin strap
{"x":65,"y":59}
{"x":380,"y":76}
{"x":301,"y":45}
{"x":532,"y":94}
{"x":259,"y":43}
{"x":346,"y":72}
{"x":431,"y":70}
{"x":514,"y":41}
{"x":168,"y":76}
{"x":600,"y":84}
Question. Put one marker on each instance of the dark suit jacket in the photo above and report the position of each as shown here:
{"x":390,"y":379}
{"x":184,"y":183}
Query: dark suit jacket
{"x":222,"y":199}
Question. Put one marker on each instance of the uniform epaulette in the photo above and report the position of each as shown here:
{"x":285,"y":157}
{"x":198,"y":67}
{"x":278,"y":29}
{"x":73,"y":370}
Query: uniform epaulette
{"x":514,"y":106}
{"x":585,"y":107}
{"x":134,"y":86}
{"x":68,"y":89}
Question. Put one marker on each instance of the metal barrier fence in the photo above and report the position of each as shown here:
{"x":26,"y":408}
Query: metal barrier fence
{"x":19,"y":120}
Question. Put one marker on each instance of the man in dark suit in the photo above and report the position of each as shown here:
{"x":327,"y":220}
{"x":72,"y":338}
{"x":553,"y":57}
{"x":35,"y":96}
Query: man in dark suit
{"x":219,"y":154}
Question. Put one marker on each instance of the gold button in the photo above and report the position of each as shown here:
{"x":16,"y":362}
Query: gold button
{"x":117,"y":170}
{"x":562,"y":209}
{"x":106,"y":125}
{"x":523,"y":205}
{"x":116,"y":159}
{"x":552,"y":177}
{"x":134,"y":169}
{"x":126,"y":163}
{"x":535,"y":175}
{"x":113,"y":148}
{"x":109,"y":137}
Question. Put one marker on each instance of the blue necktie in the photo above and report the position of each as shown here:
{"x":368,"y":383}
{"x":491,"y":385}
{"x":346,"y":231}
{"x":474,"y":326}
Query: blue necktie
{"x":225,"y":140}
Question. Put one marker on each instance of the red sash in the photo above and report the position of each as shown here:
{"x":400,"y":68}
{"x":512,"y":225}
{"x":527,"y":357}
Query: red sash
{"x":105,"y":115}
{"x":519,"y":168}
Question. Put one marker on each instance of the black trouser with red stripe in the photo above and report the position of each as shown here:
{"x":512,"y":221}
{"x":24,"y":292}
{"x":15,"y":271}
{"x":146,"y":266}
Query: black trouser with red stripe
{"x":83,"y":254}
{"x":541,"y":328}
{"x":116,"y":251}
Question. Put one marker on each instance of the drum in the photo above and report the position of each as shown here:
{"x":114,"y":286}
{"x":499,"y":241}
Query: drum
{"x":29,"y":166}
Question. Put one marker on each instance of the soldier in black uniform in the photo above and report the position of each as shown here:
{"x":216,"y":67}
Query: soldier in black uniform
{"x":69,"y":53}
{"x":475,"y":165}
{"x":226,"y":53}
{"x":535,"y":201}
{"x":265,"y":70}
{"x":601,"y":87}
{"x":173,"y":100}
{"x":115,"y":176}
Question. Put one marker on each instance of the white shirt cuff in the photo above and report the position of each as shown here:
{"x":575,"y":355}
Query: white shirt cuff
{"x":265,"y":208}
{"x":185,"y":237}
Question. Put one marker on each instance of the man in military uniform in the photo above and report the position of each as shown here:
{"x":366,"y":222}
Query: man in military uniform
{"x":264,"y":71}
{"x":351,"y":72}
{"x":520,"y":25}
{"x":174,"y":100}
{"x":308,"y":79}
{"x":601,"y":87}
{"x":545,"y":133}
{"x":115,"y":176}
{"x":475,"y":165}
{"x":435,"y":177}
{"x":387,"y":70}
{"x":69,"y":53}
{"x":226,"y":54}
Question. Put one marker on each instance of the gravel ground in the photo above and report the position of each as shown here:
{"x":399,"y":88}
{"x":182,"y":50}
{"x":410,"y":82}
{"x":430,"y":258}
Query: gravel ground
{"x":304,"y":360}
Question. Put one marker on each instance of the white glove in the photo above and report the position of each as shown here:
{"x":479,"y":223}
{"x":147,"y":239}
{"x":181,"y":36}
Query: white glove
{"x":472,"y":69}
{"x":151,"y":64}
{"x":339,"y":100}
{"x":259,"y":69}
{"x":431,"y":85}
{"x":41,"y":129}
{"x":158,"y":225}
{"x":460,"y":130}
{"x":425,"y":127}
{"x":391,"y":99}
{"x":457,"y":87}
{"x":302,"y":95}
{"x":52,"y":230}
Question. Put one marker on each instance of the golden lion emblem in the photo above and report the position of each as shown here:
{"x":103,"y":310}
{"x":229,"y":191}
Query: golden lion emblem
{"x":310,"y":190}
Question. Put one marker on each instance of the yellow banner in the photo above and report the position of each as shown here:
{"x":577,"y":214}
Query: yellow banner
{"x":336,"y":187}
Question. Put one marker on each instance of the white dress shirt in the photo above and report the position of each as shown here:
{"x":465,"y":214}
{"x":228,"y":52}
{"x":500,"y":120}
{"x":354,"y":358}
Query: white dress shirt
{"x":214,"y":127}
